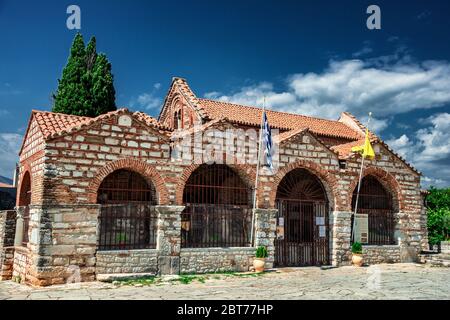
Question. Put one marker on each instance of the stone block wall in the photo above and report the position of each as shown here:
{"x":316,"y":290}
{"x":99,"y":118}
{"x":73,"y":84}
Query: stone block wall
{"x":381,"y":254}
{"x":63,"y":241}
{"x":67,"y":171}
{"x":210,"y":260}
{"x":7,"y":234}
{"x":22,"y":266}
{"x":7,"y":263}
{"x":127,"y":261}
{"x":445,"y":246}
{"x":265,"y":232}
{"x":169,"y":239}
{"x":340,"y":235}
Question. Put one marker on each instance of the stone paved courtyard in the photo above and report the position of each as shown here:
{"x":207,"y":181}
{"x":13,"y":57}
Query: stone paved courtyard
{"x":385,"y":281}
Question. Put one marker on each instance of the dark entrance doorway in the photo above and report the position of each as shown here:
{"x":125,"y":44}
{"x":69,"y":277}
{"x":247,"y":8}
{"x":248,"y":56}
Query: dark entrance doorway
{"x":302,"y":221}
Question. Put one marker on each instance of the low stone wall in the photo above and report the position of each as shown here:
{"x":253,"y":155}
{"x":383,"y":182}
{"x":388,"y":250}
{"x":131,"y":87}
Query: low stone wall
{"x":445,"y":246}
{"x":381,"y":254}
{"x":6,"y":263}
{"x":7,"y":233}
{"x":21,"y":265}
{"x":207,"y":260}
{"x":127,"y":261}
{"x":64,"y":240}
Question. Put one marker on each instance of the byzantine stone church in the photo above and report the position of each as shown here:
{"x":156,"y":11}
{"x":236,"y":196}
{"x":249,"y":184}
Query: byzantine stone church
{"x":105,"y":195}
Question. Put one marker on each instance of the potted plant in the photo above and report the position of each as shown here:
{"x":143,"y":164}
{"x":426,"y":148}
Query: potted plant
{"x":357,"y":257}
{"x":260,"y":259}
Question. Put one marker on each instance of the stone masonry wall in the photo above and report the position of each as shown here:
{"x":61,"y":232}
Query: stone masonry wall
{"x":209,"y":260}
{"x":169,"y":239}
{"x":63,"y":242}
{"x":7,"y":233}
{"x":67,"y":170}
{"x":381,"y":254}
{"x":265,"y":232}
{"x":22,"y":266}
{"x":76,"y":163}
{"x":127,"y":261}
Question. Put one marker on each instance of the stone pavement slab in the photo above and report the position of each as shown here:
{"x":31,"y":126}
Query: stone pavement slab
{"x":385,"y":281}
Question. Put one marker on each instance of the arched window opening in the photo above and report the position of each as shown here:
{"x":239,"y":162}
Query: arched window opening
{"x":25,"y":190}
{"x":177,"y":120}
{"x":375,"y":201}
{"x":127,"y":215}
{"x":302,"y":220}
{"x":24,"y":202}
{"x":218,"y":208}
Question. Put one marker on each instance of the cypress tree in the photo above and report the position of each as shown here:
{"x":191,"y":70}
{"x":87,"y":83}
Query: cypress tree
{"x":86,"y":87}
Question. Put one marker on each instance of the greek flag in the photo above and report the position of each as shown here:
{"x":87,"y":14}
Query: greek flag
{"x":267,"y":141}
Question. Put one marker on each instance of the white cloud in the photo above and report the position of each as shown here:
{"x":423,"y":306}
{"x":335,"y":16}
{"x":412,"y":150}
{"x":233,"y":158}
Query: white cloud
{"x":402,"y":145}
{"x":386,"y":85}
{"x":9,"y":148}
{"x":148,"y":100}
{"x":423,"y":15}
{"x":366,"y":49}
{"x":428,"y":150}
{"x":4,"y":112}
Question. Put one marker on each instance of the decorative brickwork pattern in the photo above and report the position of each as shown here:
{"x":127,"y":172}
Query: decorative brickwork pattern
{"x":67,"y":158}
{"x":149,"y":172}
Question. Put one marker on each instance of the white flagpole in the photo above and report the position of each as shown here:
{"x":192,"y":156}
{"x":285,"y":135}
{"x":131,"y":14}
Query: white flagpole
{"x":359,"y":183}
{"x":252,"y":231}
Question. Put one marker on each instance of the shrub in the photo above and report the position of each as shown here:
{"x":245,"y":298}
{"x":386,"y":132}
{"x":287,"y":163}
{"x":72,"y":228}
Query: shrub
{"x":438,"y":212}
{"x":357,"y":248}
{"x":261,"y":252}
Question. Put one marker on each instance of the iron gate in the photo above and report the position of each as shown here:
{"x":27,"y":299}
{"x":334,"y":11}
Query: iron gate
{"x":305,"y":241}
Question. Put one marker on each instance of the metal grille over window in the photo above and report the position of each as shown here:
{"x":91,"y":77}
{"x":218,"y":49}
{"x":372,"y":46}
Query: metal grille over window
{"x":218,"y":209}
{"x":375,"y":201}
{"x":128,"y":219}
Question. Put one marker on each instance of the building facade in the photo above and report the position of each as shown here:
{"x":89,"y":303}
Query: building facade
{"x":128,"y":193}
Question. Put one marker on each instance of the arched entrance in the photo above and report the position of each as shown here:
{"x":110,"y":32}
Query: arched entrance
{"x":25,"y":201}
{"x":375,"y":201}
{"x":303,"y":218}
{"x":218,"y":208}
{"x":127,"y":216}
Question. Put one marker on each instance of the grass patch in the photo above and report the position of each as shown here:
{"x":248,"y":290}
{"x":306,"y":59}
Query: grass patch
{"x":188,"y":278}
{"x":184,"y":278}
{"x":144,"y":281}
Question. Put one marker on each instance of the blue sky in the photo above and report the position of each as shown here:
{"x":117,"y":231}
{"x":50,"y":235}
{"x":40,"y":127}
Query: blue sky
{"x":310,"y":57}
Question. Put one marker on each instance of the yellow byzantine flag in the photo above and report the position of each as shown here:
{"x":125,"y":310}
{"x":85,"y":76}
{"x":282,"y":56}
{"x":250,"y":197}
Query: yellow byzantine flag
{"x":366,"y":148}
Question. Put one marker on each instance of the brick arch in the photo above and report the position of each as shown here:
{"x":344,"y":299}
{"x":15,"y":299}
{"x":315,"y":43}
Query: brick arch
{"x":22,"y":196}
{"x":246,"y":172}
{"x":328,"y":180}
{"x":387,"y":180}
{"x":144,"y":169}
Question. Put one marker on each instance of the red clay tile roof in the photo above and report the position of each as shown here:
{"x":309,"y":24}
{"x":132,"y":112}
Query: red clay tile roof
{"x":251,"y":116}
{"x":286,"y":135}
{"x":345,"y":150}
{"x":53,"y":124}
{"x":143,"y":117}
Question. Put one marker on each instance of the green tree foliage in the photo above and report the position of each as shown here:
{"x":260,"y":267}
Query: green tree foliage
{"x":438,"y":207}
{"x":86,"y":87}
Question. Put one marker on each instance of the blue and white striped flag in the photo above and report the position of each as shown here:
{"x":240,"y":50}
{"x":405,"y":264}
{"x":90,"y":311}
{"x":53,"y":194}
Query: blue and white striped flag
{"x":267,"y":141}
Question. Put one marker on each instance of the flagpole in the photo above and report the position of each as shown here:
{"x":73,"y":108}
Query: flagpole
{"x":359,"y":185}
{"x":252,"y":231}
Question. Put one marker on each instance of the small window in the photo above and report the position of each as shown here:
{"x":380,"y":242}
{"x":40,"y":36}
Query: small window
{"x":177,"y":123}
